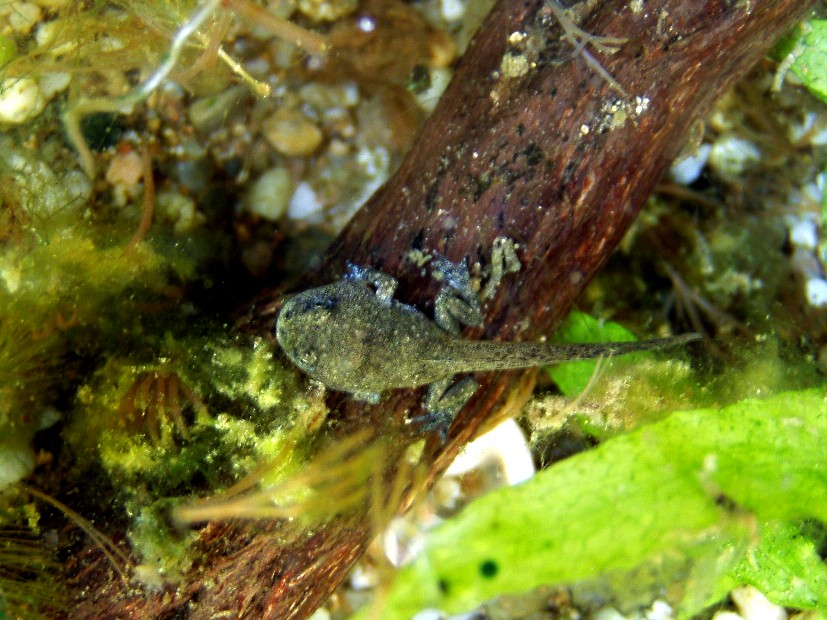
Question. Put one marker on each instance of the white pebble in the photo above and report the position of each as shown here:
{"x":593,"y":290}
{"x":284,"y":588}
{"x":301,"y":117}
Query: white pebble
{"x":660,"y":610}
{"x":452,"y":10}
{"x":731,"y":156}
{"x":819,"y":138}
{"x":24,"y":16}
{"x":16,"y":462}
{"x":797,"y":132}
{"x":320,"y":614}
{"x":362,"y":579}
{"x":77,"y":188}
{"x":428,"y":98}
{"x":803,"y":233}
{"x":811,"y":192}
{"x":304,"y":204}
{"x":52,"y":83}
{"x":753,"y":605}
{"x":687,"y":170}
{"x":270,"y":194}
{"x":817,"y":292}
{"x":48,"y":34}
{"x":608,"y":613}
{"x":326,"y":10}
{"x":428,"y":614}
{"x":36,"y":187}
{"x":20,"y":100}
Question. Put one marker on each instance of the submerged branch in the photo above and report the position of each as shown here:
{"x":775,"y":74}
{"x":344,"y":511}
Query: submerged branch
{"x":529,"y":143}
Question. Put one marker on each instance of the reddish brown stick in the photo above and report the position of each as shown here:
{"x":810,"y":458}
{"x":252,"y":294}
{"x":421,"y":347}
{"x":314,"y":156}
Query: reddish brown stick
{"x":540,"y":158}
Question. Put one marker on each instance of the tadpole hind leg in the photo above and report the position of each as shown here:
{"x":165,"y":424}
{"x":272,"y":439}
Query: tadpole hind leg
{"x":452,"y":310}
{"x":445,"y":399}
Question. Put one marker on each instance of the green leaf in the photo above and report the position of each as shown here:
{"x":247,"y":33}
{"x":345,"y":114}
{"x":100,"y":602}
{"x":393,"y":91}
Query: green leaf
{"x":786,"y":567}
{"x":573,"y":377}
{"x":692,"y":486}
{"x":810,"y":57}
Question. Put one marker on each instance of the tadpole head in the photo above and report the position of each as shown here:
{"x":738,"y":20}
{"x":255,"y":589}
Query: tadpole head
{"x":303,"y":324}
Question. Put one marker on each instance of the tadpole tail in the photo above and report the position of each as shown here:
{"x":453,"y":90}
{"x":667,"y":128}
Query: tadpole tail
{"x":571,"y":352}
{"x":481,"y":356}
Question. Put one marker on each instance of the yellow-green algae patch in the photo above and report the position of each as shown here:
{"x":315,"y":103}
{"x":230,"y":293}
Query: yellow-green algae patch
{"x":244,"y":409}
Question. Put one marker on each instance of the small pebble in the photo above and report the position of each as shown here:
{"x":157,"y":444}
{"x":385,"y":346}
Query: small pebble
{"x":731,"y":156}
{"x":291,"y":133}
{"x":180,"y":210}
{"x":304,"y":204}
{"x":270,"y":194}
{"x":804,"y":234}
{"x":608,"y":613}
{"x":687,"y":170}
{"x":326,"y":10}
{"x":429,"y":97}
{"x":817,"y":292}
{"x":325,"y":96}
{"x":125,"y":168}
{"x":320,"y":614}
{"x":452,"y":10}
{"x":428,"y":614}
{"x":660,"y":610}
{"x":208,"y":113}
{"x":20,"y":100}
{"x":16,"y":462}
{"x":24,"y":17}
{"x":52,"y":83}
{"x":753,"y":605}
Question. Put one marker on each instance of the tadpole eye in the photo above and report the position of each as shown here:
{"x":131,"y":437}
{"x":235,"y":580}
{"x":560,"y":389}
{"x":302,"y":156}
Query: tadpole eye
{"x":320,"y":303}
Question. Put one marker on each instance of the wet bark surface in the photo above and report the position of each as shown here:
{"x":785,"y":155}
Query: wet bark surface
{"x":555,"y":158}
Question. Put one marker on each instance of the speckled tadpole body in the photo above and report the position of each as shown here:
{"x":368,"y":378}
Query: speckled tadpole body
{"x":352,"y":336}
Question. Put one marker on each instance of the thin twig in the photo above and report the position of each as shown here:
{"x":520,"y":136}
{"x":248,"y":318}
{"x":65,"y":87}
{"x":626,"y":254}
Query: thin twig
{"x":109,"y":549}
{"x":309,"y":41}
{"x":149,"y":204}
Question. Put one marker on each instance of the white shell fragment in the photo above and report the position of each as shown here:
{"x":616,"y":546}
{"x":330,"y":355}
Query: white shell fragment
{"x":503,"y":447}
